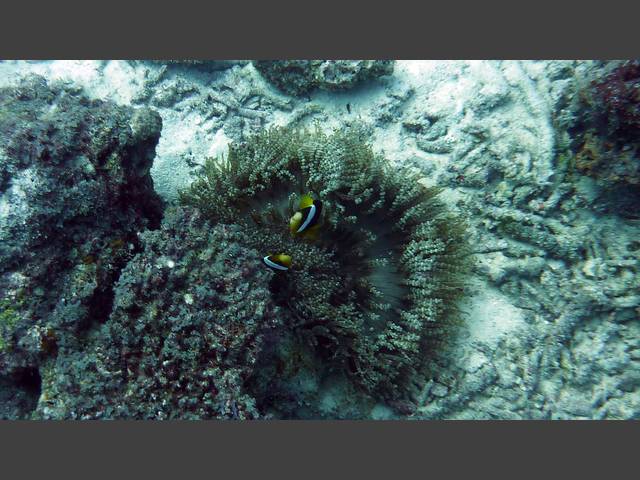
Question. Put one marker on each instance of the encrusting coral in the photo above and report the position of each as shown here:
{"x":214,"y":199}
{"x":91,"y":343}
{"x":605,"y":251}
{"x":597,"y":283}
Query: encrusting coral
{"x":191,"y":312}
{"x":606,"y":130}
{"x":75,"y":188}
{"x":299,"y":77}
{"x":373,"y":291}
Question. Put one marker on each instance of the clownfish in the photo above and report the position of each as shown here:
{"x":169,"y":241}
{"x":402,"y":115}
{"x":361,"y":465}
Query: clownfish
{"x":280,"y":262}
{"x":305,"y":220}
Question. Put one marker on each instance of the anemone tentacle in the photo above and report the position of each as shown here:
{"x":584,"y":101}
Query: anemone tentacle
{"x":377,"y":288}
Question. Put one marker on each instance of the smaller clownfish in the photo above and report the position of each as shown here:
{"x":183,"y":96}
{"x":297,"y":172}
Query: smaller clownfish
{"x":305,"y":221}
{"x":279,"y":262}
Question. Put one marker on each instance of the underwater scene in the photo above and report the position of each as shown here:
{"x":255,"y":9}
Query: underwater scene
{"x":317,"y":239}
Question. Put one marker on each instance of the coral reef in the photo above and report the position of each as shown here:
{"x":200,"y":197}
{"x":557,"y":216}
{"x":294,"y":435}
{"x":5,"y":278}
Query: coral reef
{"x":604,"y":134}
{"x":190,"y":316}
{"x":618,"y":95}
{"x":373,"y":294}
{"x":74,"y":191}
{"x":551,"y":310}
{"x":299,"y":77}
{"x":553,"y":307}
{"x":205,"y":65}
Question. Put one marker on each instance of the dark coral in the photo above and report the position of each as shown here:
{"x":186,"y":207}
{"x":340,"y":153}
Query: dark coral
{"x":74,"y":191}
{"x":605,"y":136}
{"x":618,"y":96}
{"x":191,"y":313}
{"x":299,"y":77}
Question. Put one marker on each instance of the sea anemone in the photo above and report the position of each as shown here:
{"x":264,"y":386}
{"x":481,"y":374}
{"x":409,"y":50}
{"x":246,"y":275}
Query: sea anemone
{"x":373,"y":291}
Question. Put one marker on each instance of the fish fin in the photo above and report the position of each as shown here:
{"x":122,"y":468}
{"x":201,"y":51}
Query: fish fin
{"x":295,"y":222}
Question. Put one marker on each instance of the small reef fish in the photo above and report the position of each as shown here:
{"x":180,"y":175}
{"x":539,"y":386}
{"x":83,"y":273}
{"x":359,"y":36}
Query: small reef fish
{"x":279,"y":262}
{"x":305,"y":220}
